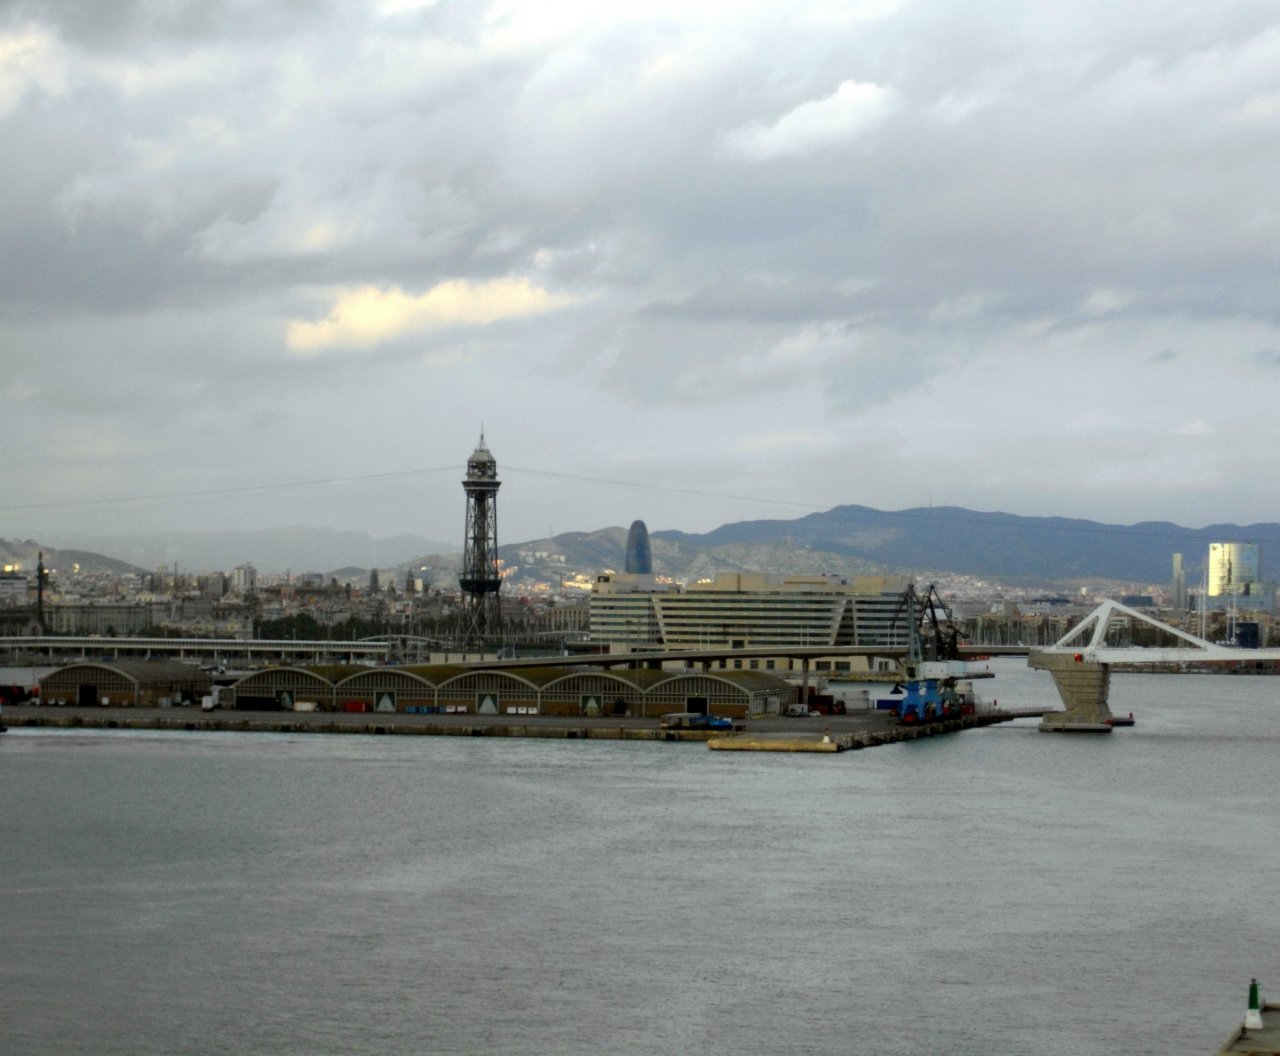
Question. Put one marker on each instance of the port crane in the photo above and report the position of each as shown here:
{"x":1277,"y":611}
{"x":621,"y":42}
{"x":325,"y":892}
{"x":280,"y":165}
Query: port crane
{"x":932,"y":660}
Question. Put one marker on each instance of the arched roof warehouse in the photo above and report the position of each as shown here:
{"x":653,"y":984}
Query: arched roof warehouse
{"x":568,"y":692}
{"x":552,"y":690}
{"x":632,"y":681}
{"x":522,"y":686}
{"x":417,"y":680}
{"x":739,"y":692}
{"x":313,"y":683}
{"x":136,"y":682}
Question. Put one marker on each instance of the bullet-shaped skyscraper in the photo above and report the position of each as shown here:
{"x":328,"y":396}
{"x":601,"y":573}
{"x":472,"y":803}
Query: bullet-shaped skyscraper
{"x":639,"y":558}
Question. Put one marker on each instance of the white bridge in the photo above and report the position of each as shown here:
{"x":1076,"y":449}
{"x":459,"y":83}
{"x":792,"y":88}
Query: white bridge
{"x":1080,"y":662}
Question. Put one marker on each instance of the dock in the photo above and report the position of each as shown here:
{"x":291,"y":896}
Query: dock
{"x":1259,"y":1034}
{"x":829,"y":742}
{"x":744,"y":743}
{"x":866,"y":729}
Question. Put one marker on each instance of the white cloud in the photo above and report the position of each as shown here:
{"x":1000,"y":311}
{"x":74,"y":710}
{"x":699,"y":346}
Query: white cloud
{"x":966,"y":306}
{"x":31,"y":58}
{"x":783,"y":443}
{"x":850,"y":112}
{"x":1105,"y":301}
{"x":89,"y":443}
{"x":366,"y":316}
{"x":1198,"y":427}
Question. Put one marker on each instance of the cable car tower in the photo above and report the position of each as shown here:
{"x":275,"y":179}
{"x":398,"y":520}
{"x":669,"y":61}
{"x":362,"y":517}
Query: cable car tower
{"x":480,"y":579}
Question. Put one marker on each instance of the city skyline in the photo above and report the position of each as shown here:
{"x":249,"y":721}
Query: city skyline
{"x":951,"y":540}
{"x":702,"y":265}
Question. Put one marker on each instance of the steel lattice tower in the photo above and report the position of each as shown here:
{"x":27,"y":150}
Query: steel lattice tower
{"x":480,"y":579}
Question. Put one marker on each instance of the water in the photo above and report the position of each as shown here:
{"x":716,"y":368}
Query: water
{"x":998,"y":891}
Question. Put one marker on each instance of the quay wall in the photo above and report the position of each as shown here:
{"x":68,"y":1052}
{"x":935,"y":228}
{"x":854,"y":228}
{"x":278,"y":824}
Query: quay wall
{"x":864,"y":731}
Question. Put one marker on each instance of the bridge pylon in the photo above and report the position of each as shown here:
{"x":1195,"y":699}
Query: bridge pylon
{"x":1083,"y":684}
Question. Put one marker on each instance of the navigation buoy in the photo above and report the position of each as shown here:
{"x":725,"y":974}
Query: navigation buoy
{"x":1253,"y":1018}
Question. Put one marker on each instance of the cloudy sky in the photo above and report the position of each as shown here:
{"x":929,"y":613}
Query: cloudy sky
{"x":279,"y":263}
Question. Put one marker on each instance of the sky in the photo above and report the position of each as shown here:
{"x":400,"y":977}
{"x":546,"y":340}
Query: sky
{"x":269,"y":264}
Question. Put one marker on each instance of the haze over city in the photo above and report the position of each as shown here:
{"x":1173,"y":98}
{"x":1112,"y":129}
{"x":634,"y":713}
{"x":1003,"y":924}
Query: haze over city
{"x":695,"y":263}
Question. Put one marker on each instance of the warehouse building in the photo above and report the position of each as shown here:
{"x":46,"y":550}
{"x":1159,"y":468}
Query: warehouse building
{"x":125,"y":683}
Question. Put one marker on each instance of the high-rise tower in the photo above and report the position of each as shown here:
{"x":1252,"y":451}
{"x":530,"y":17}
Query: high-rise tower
{"x":639,"y":557}
{"x":482,"y":613}
{"x":1233,"y":568}
{"x":1179,"y":584}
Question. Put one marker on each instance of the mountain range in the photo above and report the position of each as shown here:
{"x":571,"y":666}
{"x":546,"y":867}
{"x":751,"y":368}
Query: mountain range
{"x":845,"y":540}
{"x":925,"y":540}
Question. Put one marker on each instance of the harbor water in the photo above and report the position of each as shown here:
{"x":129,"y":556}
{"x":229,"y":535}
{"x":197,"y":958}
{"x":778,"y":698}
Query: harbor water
{"x":995,"y":891}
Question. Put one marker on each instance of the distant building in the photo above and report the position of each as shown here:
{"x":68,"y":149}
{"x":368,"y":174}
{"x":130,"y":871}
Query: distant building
{"x":639,"y":559}
{"x":244,"y":579}
{"x":1138,"y":601}
{"x":1179,"y":590}
{"x":1261,"y":596}
{"x":748,"y":610}
{"x":13,"y":589}
{"x":1233,"y":567}
{"x":105,"y":618}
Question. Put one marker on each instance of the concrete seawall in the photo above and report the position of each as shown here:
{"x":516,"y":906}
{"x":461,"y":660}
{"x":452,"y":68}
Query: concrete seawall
{"x":862,"y":730}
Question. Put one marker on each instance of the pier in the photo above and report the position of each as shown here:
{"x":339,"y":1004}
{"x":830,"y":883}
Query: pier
{"x":870,"y":737}
{"x":1259,"y":1034}
{"x":864,"y":729}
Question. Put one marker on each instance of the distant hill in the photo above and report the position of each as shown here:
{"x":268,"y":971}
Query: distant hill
{"x":26,"y":554}
{"x":846,"y":540}
{"x":857,"y":539}
{"x":1005,"y":545}
{"x":296,"y":549}
{"x":679,"y":555}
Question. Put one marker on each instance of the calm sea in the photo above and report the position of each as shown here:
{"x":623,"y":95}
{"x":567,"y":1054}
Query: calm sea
{"x":997,"y":891}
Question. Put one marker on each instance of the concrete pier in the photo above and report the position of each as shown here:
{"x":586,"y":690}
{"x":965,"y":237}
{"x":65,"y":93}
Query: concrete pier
{"x":745,"y":743}
{"x":1264,"y":1041}
{"x":855,"y":739}
{"x":847,"y":732}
